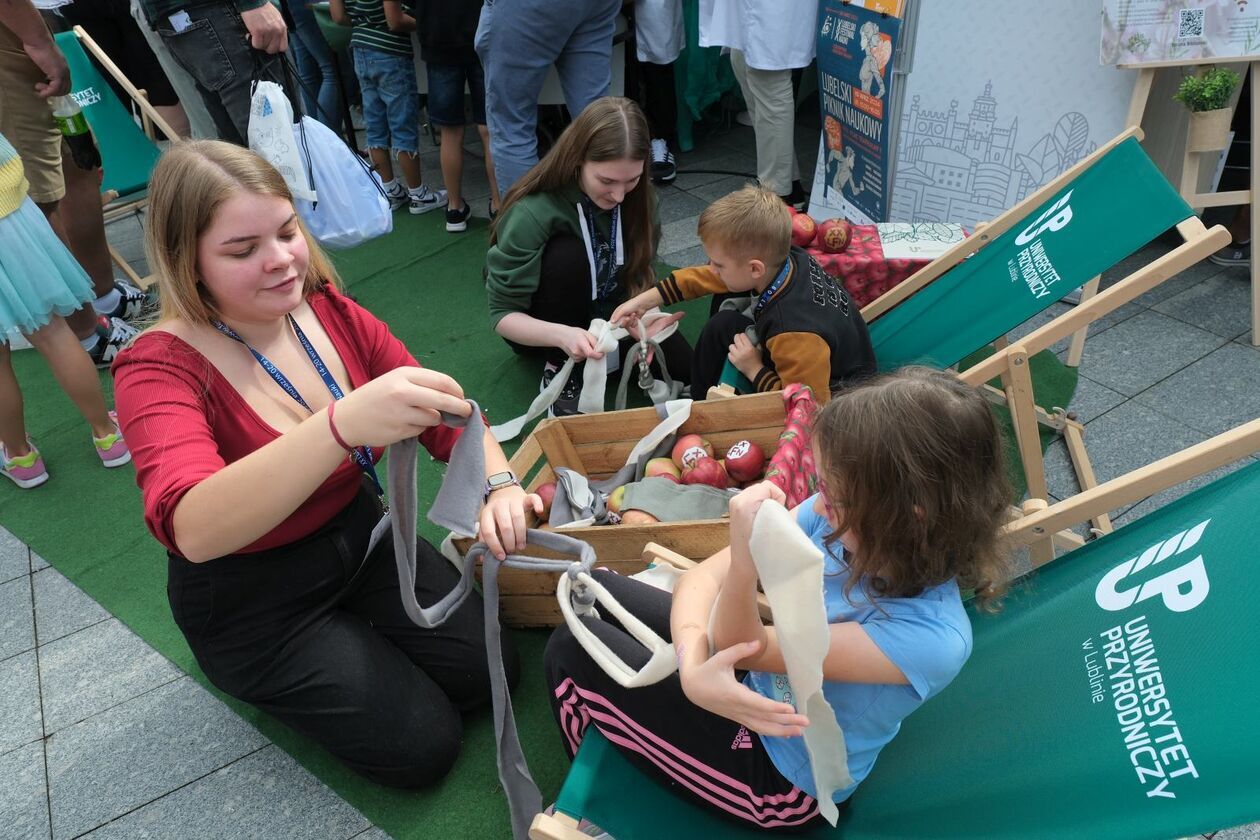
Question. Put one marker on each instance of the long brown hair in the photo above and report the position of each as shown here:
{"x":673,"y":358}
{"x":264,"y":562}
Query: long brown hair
{"x":913,"y":465}
{"x":187,"y":187}
{"x":610,"y":128}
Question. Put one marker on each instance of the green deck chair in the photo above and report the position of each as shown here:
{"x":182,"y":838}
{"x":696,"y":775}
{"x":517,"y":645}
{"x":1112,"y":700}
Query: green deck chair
{"x":128,"y":153}
{"x":1135,"y":651}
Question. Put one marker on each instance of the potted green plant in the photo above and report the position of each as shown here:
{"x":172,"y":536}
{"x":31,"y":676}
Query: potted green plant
{"x":1207,"y":97}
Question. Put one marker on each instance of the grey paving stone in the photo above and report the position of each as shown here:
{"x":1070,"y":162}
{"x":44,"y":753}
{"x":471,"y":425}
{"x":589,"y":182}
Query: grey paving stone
{"x":96,"y":668}
{"x":1142,"y":350}
{"x":37,"y":562}
{"x":19,"y":703}
{"x":373,"y":833}
{"x":714,"y":187}
{"x":688,"y":256}
{"x":1243,"y":832}
{"x":1127,"y":437}
{"x":61,"y":608}
{"x":14,"y":557}
{"x":264,"y":794}
{"x":1092,"y":400}
{"x":1171,"y":287}
{"x":677,"y":204}
{"x":1038,"y":321}
{"x":1220,"y":304}
{"x":1244,"y":339}
{"x":23,"y":801}
{"x":136,"y":752}
{"x":678,"y":235}
{"x":1214,"y":394}
{"x":17,"y":622}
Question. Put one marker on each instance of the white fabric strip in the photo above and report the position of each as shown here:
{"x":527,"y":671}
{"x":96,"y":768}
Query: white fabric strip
{"x":790,"y":567}
{"x":594,"y":375}
{"x":590,"y":248}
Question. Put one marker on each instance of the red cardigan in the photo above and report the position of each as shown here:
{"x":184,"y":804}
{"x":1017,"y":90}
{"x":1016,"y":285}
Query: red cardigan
{"x":184,"y":422}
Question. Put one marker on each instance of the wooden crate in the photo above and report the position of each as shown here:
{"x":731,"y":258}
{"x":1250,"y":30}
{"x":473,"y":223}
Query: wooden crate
{"x":597,"y":445}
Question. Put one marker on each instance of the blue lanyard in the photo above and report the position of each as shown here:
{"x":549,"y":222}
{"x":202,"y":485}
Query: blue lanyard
{"x":773,"y":287}
{"x":363,"y":455}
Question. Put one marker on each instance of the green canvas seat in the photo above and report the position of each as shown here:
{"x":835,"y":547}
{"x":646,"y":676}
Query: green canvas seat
{"x":128,"y":154}
{"x":1111,"y":698}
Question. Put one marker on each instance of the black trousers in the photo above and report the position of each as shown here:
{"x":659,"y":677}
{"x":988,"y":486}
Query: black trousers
{"x":712,"y":348}
{"x":314,"y":634}
{"x":564,"y":297}
{"x":703,"y":757}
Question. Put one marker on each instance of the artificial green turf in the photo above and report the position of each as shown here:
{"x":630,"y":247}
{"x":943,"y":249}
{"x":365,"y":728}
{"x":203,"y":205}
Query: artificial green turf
{"x":87,"y":522}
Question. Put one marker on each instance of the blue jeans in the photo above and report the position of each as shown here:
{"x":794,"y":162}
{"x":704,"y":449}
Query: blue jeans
{"x":391,"y":100}
{"x":446,"y":93}
{"x":315,"y":68}
{"x":518,"y":41}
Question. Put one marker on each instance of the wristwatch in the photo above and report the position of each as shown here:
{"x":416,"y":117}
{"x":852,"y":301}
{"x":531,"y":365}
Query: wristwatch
{"x":500,"y":480}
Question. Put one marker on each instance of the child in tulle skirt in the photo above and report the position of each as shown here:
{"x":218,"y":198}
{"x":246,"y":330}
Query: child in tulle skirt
{"x":40,"y":283}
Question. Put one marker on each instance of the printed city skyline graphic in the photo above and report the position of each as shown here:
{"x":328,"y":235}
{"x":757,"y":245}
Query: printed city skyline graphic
{"x":967,"y":168}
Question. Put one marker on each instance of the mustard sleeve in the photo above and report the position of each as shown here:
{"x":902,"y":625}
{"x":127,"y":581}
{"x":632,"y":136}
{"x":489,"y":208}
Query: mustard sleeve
{"x":688,"y":283}
{"x":800,"y":357}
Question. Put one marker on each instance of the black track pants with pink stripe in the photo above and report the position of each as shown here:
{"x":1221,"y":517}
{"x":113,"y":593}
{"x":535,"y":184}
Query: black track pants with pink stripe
{"x":701,"y":756}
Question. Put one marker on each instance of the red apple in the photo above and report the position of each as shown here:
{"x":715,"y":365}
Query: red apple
{"x":706,"y":471}
{"x":638,"y":517}
{"x":546,"y":492}
{"x":688,"y":442}
{"x":745,"y":461}
{"x":803,"y":230}
{"x":833,"y":235}
{"x":616,"y":499}
{"x":662,"y":468}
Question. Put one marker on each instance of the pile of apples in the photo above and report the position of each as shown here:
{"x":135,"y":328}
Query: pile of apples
{"x":830,"y":236}
{"x":691,"y":462}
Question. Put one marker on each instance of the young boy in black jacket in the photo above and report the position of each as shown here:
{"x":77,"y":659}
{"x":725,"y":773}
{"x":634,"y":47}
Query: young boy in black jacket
{"x":807,"y":329}
{"x":446,"y":30}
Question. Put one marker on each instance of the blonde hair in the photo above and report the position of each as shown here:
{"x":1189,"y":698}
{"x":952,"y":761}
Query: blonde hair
{"x":188,"y":185}
{"x":610,"y":128}
{"x":751,"y":223}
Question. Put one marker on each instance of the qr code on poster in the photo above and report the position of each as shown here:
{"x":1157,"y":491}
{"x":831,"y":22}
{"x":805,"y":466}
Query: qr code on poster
{"x":1190,"y":23}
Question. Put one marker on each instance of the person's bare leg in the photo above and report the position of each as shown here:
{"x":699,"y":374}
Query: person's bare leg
{"x":409,"y":163}
{"x":74,"y":372}
{"x":83,"y":221}
{"x":12,"y":425}
{"x":384,"y":165}
{"x":176,"y":118}
{"x":452,"y":156}
{"x":494,"y":184}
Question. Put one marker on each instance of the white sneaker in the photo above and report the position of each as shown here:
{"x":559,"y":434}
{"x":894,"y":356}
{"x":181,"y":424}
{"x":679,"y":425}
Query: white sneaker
{"x":662,"y":167}
{"x":396,"y":196}
{"x":423,"y":200}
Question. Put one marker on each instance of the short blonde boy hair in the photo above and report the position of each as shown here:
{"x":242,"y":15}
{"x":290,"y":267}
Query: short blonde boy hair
{"x":750,"y":223}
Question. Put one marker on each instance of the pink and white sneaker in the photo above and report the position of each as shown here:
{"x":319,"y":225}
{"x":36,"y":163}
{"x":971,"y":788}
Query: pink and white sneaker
{"x":112,"y":448}
{"x":26,"y":471}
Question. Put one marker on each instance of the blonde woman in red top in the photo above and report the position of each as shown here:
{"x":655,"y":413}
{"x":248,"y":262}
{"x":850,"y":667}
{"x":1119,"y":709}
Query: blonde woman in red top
{"x":256,"y":409}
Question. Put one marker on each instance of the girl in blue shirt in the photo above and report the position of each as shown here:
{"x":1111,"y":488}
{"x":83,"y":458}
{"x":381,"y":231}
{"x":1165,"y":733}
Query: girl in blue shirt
{"x":912,"y":494}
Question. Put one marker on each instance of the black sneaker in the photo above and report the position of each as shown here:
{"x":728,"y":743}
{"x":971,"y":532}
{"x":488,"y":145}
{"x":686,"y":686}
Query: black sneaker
{"x":662,"y":169}
{"x":566,"y":405}
{"x":457,"y":220}
{"x":131,"y":303}
{"x":113,"y":334}
{"x":797,"y":199}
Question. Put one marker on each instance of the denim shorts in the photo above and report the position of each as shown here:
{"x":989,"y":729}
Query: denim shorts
{"x":446,"y":93}
{"x":391,"y":100}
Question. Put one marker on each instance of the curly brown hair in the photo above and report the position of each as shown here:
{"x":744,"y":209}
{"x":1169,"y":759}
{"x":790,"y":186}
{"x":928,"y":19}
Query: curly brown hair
{"x":913,"y":465}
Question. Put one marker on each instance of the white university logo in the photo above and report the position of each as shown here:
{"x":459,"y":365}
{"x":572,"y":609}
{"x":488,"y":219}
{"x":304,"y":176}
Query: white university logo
{"x":1056,"y":218}
{"x":1182,"y":587}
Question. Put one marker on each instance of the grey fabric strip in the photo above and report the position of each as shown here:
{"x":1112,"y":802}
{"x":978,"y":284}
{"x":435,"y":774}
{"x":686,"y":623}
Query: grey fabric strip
{"x":456,"y":507}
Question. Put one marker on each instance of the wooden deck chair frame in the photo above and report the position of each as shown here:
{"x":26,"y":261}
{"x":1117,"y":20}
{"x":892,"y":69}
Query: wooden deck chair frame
{"x":1010,"y":363}
{"x":1036,"y":526}
{"x":115,"y":209}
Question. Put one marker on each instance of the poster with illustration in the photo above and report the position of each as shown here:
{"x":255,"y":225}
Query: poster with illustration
{"x":855,"y":51}
{"x":1138,"y":31}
